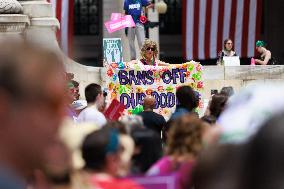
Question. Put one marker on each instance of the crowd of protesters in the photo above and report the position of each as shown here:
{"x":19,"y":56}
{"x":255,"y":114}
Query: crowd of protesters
{"x":38,"y":149}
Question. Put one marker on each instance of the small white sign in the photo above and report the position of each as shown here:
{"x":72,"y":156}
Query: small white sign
{"x":112,"y":50}
{"x":231,"y":61}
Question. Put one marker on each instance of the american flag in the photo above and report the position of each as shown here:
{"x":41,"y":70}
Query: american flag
{"x":63,"y":10}
{"x":207,"y":23}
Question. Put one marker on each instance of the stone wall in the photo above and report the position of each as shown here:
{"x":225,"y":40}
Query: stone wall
{"x":216,"y":77}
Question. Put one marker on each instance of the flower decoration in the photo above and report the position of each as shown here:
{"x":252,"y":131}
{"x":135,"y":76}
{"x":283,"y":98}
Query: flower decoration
{"x":121,"y":65}
{"x":114,"y":77}
{"x":129,"y":88}
{"x":193,"y":85}
{"x":114,"y":65}
{"x":110,"y":72}
{"x":126,"y":64}
{"x":110,"y":86}
{"x":184,"y":66}
{"x":139,"y":89}
{"x":200,"y":84}
{"x":196,"y":76}
{"x":169,"y":89}
{"x":190,"y":67}
{"x":187,"y":74}
{"x":160,"y":88}
{"x":122,"y":89}
{"x":149,"y":91}
{"x":138,"y":109}
{"x":113,"y":95}
{"x":198,"y":68}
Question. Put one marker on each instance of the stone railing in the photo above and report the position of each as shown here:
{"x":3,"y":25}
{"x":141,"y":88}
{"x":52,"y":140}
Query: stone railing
{"x":215,"y":77}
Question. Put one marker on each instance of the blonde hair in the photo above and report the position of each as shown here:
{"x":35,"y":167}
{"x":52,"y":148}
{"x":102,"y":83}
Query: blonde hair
{"x":149,"y":43}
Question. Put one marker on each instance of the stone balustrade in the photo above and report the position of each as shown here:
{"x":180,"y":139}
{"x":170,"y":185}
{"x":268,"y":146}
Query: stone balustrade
{"x":215,"y":77}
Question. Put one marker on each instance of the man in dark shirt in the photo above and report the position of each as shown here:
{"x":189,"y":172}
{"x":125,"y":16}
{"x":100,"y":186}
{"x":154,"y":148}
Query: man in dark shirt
{"x":151,"y":119}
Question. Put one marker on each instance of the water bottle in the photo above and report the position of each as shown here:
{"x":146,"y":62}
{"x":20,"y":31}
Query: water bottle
{"x":252,"y":62}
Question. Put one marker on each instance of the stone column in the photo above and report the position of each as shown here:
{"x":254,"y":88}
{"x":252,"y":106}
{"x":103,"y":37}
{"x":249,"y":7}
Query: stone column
{"x":44,"y":25}
{"x":12,"y":22}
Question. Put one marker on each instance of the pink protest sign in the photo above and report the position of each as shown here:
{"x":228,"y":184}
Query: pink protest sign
{"x":120,"y":23}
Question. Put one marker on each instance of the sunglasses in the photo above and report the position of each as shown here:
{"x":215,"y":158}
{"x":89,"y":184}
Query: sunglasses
{"x":152,"y":49}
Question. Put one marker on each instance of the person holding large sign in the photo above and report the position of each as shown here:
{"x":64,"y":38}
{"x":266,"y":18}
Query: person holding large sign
{"x":135,"y":9}
{"x":149,"y":53}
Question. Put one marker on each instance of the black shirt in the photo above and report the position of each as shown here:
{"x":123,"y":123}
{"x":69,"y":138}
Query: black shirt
{"x":153,"y":121}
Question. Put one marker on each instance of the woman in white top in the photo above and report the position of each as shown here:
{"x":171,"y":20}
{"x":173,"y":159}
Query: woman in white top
{"x":227,"y":51}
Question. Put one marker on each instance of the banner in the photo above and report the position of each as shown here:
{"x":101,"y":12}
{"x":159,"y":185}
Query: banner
{"x":112,"y":50}
{"x":130,"y":83}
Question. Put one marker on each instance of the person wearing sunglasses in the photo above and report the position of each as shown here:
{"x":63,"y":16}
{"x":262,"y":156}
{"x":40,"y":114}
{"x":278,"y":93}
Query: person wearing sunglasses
{"x":227,"y":51}
{"x":149,"y":53}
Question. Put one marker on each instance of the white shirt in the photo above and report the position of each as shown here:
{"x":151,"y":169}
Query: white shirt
{"x":92,"y":115}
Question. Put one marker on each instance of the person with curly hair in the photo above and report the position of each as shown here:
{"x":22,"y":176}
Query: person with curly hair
{"x":185,"y":141}
{"x":149,"y":53}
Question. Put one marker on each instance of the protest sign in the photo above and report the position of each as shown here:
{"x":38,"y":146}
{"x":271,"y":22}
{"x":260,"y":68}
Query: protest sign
{"x":119,"y":22}
{"x":130,"y":83}
{"x":114,"y":111}
{"x":112,"y":50}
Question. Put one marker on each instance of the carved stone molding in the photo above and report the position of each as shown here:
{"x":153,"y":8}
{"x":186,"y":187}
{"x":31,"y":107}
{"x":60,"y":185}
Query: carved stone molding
{"x":12,"y":27}
{"x":10,"y":7}
{"x":13,"y":23}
